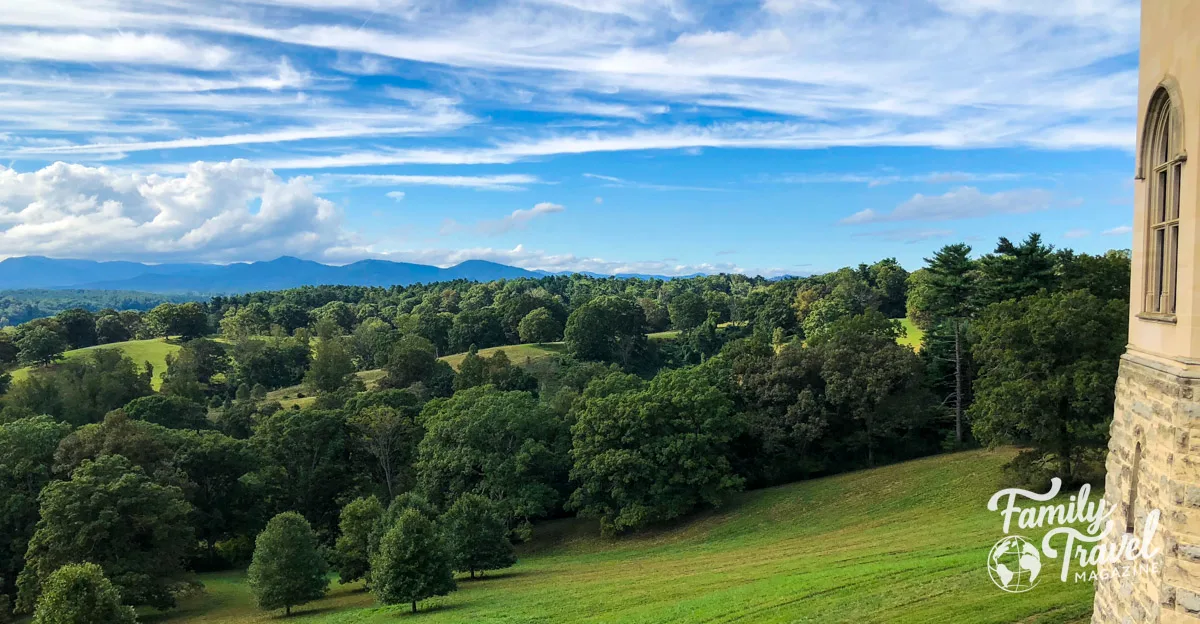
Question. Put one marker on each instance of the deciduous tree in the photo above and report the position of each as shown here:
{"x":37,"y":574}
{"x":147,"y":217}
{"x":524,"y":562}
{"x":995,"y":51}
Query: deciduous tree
{"x":111,"y":514}
{"x":80,"y":594}
{"x":287,"y":569}
{"x":412,"y":563}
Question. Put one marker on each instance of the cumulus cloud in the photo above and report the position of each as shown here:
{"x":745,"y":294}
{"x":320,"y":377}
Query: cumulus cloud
{"x":216,"y":212}
{"x":962,"y":203}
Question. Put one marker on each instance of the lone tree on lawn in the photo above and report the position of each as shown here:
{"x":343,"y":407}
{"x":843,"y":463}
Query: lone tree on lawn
{"x":412,"y":563}
{"x":81,"y":594}
{"x":476,"y":535}
{"x":287,"y":569}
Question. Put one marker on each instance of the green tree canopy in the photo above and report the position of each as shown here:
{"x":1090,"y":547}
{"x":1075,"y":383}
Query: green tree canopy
{"x":352,"y":557}
{"x":40,"y":346}
{"x":477,"y":535}
{"x":26,"y":456}
{"x":287,"y":569}
{"x":608,"y":329}
{"x":332,"y":367}
{"x":80,"y":594}
{"x":412,"y":563}
{"x":78,"y":327}
{"x":1048,"y":369}
{"x":111,"y":514}
{"x":173,"y":412}
{"x":308,"y":459}
{"x":83,"y":389}
{"x":503,"y":445}
{"x":655,"y":452}
{"x":539,"y":326}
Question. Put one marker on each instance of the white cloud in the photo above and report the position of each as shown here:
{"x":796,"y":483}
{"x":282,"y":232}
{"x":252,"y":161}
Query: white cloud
{"x":943,"y":73}
{"x":1120,"y":230}
{"x":1077,"y":233}
{"x":217,"y":212}
{"x":874,"y":179}
{"x":116,"y":47}
{"x":540,"y":260}
{"x":396,"y":195}
{"x":519,"y":218}
{"x":906,"y":236}
{"x":961,"y":203}
{"x":504,"y":182}
{"x":623,"y":183}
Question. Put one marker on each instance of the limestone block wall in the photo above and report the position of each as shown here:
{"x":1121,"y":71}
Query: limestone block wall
{"x":1154,"y":463}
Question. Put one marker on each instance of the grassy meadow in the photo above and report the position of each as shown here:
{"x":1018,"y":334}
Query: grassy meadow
{"x":913,"y":336}
{"x":154,"y":351}
{"x":517,"y":354}
{"x":904,"y":543}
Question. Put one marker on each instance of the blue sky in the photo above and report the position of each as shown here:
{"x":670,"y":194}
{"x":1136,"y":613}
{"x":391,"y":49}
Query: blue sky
{"x":664,"y":136}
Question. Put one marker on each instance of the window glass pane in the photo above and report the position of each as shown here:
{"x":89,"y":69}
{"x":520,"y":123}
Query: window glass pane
{"x":1160,"y":197}
{"x":1172,"y":267}
{"x":1176,"y":175}
{"x":1157,"y":268}
{"x":1165,"y":134}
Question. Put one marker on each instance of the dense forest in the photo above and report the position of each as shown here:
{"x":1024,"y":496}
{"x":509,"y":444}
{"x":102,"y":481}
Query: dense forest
{"x":20,"y":306}
{"x":665,"y":397}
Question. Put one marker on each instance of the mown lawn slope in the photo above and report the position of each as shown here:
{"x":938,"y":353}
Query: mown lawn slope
{"x":903,"y":543}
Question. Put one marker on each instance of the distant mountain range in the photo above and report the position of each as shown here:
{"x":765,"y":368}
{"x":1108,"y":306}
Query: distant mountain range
{"x":278,"y":274}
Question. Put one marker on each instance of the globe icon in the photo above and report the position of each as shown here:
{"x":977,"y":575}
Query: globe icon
{"x":1014,"y":564}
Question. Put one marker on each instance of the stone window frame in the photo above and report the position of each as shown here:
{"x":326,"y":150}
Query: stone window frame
{"x":1162,"y":157}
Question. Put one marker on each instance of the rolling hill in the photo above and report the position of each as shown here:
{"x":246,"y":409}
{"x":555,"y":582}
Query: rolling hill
{"x":906,"y":543}
{"x":154,"y":351}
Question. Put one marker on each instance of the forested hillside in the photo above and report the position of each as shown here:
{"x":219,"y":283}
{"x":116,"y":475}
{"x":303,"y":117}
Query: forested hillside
{"x":748,"y":383}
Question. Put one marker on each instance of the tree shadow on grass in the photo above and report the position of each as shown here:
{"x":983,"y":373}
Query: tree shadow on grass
{"x":492,"y":575}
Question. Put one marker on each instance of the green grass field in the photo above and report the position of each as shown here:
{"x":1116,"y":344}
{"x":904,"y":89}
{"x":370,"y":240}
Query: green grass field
{"x":913,"y":336}
{"x":904,"y":543}
{"x":154,"y":351}
{"x":517,"y":354}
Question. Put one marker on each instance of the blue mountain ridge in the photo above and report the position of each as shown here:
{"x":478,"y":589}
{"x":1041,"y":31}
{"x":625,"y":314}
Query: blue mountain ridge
{"x":281,"y":273}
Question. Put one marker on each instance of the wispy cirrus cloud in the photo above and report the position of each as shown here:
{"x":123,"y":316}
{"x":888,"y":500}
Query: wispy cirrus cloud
{"x":515,"y":220}
{"x":873,"y":179}
{"x":1120,"y":230}
{"x":502,"y":182}
{"x":962,"y":203}
{"x":907,"y":236}
{"x":615,"y":182}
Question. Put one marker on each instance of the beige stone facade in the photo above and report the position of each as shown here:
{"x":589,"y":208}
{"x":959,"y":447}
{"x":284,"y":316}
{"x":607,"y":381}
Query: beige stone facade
{"x":1154,"y":452}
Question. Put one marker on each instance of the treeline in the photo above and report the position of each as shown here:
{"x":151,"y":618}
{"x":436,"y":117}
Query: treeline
{"x":20,"y":306}
{"x":765,"y":382}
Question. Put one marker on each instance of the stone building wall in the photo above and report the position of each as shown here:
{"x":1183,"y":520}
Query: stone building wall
{"x":1155,"y":428}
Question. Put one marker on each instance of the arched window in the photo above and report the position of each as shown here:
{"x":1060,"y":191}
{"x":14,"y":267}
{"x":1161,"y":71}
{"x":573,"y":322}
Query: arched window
{"x":1131,"y":503}
{"x":1162,"y":165}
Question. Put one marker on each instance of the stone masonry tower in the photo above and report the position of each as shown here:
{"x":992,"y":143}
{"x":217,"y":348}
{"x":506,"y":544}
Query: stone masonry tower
{"x":1154,"y":452}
